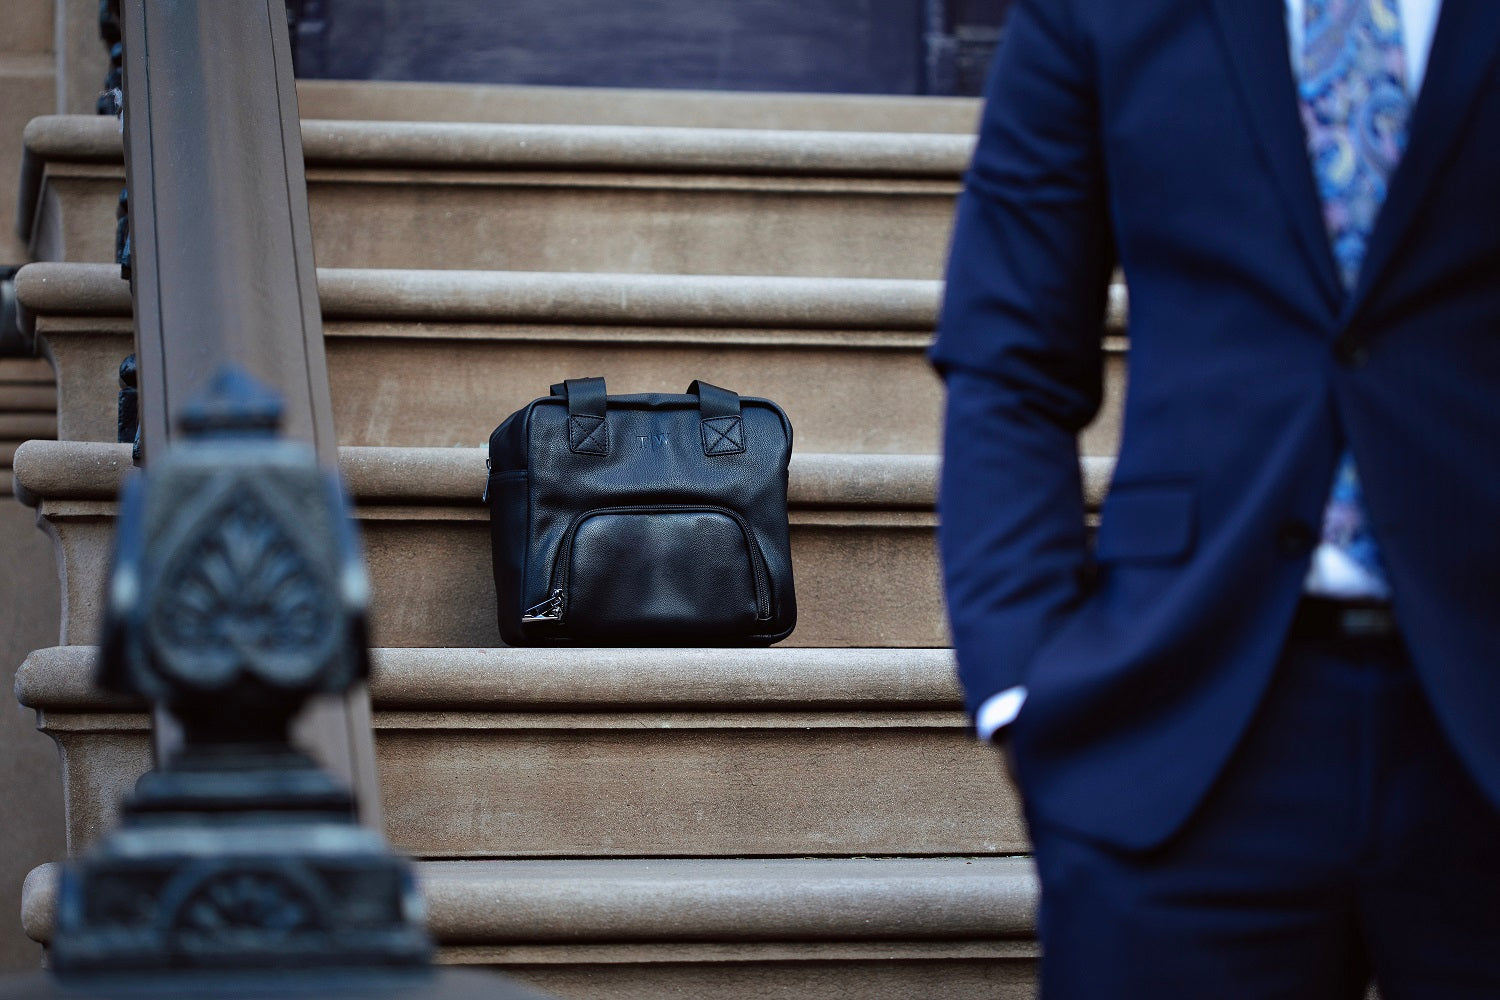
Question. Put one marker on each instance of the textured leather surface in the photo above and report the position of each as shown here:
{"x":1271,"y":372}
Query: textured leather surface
{"x":657,"y":520}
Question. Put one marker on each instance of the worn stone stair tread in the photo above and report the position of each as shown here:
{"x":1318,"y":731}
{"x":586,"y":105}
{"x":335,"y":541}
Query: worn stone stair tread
{"x":731,"y":899}
{"x":563,"y":197}
{"x":92,"y":470}
{"x":381,"y":100}
{"x":669,"y":900}
{"x":701,"y":300}
{"x":60,"y":678}
{"x":707,"y":300}
{"x":499,"y":145}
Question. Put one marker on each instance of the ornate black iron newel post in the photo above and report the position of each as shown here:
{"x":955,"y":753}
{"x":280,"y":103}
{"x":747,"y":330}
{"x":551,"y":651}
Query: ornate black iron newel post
{"x":238,"y":592}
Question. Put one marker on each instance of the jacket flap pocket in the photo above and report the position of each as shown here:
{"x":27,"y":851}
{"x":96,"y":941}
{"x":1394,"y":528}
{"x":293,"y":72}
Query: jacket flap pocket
{"x":1154,"y":522}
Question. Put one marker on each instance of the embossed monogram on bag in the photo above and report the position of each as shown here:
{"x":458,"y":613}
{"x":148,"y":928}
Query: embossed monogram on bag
{"x":655,"y":442}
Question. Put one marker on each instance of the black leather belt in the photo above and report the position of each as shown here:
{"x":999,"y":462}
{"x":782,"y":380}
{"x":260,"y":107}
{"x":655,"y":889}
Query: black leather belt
{"x":1325,"y":618}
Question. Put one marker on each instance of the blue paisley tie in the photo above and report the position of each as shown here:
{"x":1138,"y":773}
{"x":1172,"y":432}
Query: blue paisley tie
{"x":1355,"y":108}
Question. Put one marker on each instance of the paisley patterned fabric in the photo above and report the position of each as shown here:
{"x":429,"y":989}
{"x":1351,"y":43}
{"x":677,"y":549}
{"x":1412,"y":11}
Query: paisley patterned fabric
{"x":1355,"y":108}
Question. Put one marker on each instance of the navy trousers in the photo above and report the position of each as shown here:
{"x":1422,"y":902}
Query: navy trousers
{"x":1343,"y":842}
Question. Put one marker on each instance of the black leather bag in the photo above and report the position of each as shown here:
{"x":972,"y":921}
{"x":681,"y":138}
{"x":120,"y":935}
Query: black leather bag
{"x":642,"y":520}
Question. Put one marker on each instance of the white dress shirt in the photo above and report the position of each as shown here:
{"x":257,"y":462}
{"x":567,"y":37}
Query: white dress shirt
{"x":1418,"y":22}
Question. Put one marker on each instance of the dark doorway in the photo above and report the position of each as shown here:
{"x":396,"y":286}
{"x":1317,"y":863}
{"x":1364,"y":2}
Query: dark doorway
{"x":825,"y":46}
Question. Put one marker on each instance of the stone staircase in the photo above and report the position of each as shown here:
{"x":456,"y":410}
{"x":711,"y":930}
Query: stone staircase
{"x":807,"y":820}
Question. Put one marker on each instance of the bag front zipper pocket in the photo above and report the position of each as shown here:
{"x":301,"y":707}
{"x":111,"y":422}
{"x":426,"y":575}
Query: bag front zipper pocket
{"x":662,"y":573}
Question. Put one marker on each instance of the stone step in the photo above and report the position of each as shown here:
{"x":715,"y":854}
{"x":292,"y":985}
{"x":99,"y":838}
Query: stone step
{"x":26,"y":425}
{"x":28,"y":397}
{"x":493,"y":753}
{"x":561,"y":197}
{"x":387,"y":100}
{"x":25,"y":371}
{"x":426,"y":537}
{"x":28,"y":407}
{"x":438,"y":358}
{"x":744,"y":929}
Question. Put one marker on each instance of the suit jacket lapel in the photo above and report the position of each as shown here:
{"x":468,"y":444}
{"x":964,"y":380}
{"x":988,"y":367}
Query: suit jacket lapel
{"x":1464,"y":48}
{"x":1255,"y":40}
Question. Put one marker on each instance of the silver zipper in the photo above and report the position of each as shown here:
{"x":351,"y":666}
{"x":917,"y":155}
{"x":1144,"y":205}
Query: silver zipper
{"x":550,"y":610}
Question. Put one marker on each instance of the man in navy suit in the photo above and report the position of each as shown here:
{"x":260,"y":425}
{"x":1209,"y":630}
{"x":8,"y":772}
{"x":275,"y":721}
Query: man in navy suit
{"x":1256,"y":720}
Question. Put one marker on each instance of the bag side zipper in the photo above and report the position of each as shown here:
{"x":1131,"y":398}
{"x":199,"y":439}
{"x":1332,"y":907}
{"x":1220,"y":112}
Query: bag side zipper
{"x":550,"y":610}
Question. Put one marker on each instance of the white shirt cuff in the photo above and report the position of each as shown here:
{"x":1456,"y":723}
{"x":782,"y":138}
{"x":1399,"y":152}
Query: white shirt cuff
{"x":998,"y":711}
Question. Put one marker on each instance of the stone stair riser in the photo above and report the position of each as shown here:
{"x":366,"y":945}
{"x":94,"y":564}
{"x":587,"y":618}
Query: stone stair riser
{"x":865,"y":578}
{"x":717,"y":775}
{"x":583,"y":223}
{"x":546,"y":222}
{"x":487,"y":785}
{"x":712,"y":786}
{"x":882,"y":972}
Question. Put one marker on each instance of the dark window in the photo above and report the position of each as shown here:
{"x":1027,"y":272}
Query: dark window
{"x":829,"y":46}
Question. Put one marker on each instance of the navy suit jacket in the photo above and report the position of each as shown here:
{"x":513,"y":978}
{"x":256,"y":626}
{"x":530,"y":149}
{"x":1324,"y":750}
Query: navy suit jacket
{"x":1164,"y":135}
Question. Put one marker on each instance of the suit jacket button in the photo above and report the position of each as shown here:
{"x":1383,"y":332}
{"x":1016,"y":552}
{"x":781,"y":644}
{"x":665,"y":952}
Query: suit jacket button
{"x":1295,"y":538}
{"x":1351,"y":353}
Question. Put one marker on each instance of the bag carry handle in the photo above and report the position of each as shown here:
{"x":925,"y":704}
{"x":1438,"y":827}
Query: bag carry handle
{"x":720,"y":423}
{"x":588,"y":432}
{"x":721,"y":426}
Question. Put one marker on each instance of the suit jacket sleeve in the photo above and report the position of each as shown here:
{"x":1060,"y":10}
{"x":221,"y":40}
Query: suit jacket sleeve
{"x":1019,"y":347}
